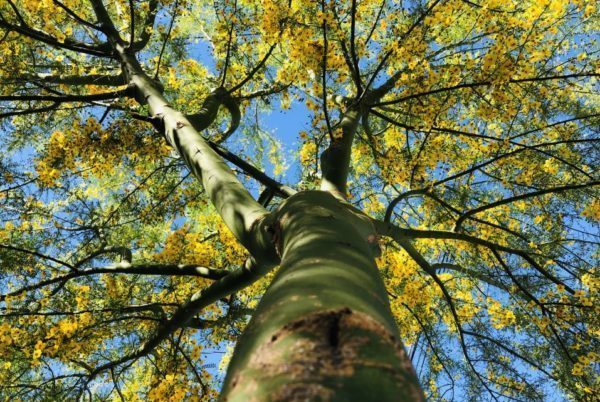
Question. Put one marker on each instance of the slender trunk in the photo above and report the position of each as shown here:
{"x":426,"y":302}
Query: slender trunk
{"x":335,"y":160}
{"x":323,"y":331}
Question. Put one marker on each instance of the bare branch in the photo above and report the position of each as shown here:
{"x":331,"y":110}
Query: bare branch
{"x":126,"y":268}
{"x":73,"y":15}
{"x":234,"y":281}
{"x":509,"y":200}
{"x":68,"y":97}
{"x":402,"y":236}
{"x":484,"y":83}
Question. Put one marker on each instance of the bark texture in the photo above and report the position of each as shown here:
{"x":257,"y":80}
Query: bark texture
{"x":323,"y":330}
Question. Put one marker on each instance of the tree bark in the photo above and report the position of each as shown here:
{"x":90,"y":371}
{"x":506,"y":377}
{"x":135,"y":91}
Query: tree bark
{"x":323,"y":331}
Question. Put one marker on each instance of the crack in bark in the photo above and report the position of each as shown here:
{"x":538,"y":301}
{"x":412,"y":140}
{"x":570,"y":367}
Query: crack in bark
{"x":337,"y":345}
{"x":334,"y":331}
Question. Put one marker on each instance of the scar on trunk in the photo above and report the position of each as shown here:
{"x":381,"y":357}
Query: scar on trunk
{"x":327,"y":347}
{"x":276,"y":236}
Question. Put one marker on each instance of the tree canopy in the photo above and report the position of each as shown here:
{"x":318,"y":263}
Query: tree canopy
{"x":467,"y":131}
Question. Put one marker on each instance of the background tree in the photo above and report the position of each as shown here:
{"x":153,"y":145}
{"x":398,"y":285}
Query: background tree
{"x":454,"y":141}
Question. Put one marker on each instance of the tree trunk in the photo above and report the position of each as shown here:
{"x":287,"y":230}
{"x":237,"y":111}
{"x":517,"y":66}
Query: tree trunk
{"x":323,"y":331}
